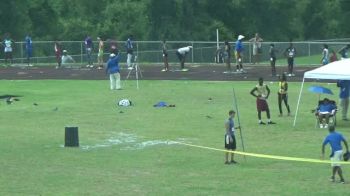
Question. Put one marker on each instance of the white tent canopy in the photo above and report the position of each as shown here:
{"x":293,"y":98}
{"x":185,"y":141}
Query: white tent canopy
{"x":338,"y":70}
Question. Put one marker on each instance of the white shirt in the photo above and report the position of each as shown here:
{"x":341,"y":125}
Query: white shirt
{"x":184,"y":50}
{"x":67,"y":59}
{"x":325,"y":53}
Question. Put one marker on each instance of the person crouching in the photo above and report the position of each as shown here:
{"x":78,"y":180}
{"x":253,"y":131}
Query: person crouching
{"x":113,"y":71}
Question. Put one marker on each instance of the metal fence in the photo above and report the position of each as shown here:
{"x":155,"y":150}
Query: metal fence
{"x":151,"y":51}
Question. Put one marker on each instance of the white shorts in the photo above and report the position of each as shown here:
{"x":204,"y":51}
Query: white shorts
{"x":337,"y":157}
{"x":8,"y":49}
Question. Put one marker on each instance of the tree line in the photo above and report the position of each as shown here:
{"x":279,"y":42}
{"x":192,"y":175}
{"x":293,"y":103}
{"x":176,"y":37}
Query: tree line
{"x":275,"y":20}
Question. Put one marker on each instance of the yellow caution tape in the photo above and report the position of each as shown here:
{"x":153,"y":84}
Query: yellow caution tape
{"x":267,"y":156}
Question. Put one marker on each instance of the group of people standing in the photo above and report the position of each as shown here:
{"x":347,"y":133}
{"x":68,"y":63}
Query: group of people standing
{"x":257,"y":51}
{"x":335,"y":139}
{"x":8,"y":44}
{"x":112,"y":65}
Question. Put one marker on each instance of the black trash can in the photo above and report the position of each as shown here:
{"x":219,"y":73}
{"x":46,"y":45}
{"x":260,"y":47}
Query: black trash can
{"x":71,"y":137}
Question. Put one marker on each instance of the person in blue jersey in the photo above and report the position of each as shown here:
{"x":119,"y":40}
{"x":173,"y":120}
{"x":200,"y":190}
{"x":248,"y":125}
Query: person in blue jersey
{"x":29,"y":48}
{"x":114,"y":72}
{"x":344,"y":94}
{"x":262,"y":92}
{"x":325,"y":109}
{"x":129,"y":50}
{"x":325,"y":55}
{"x":334,"y":139}
{"x":239,"y":54}
{"x":290,"y":53}
{"x":88,"y":47}
{"x":230,"y":140}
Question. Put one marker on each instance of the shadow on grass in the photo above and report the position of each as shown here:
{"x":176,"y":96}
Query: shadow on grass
{"x":9,"y":96}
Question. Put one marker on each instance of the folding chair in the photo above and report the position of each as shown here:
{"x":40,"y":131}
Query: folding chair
{"x":332,"y":117}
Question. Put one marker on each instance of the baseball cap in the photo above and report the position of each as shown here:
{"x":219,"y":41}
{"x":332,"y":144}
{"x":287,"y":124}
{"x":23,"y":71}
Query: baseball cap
{"x":240,"y":37}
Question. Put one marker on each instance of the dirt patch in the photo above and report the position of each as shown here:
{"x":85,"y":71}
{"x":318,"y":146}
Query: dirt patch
{"x":208,"y":72}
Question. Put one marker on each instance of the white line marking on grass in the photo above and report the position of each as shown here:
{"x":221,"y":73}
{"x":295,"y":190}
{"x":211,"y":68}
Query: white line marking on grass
{"x":130,"y":142}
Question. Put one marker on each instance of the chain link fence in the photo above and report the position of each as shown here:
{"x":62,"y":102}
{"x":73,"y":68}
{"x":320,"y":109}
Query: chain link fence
{"x":151,"y":51}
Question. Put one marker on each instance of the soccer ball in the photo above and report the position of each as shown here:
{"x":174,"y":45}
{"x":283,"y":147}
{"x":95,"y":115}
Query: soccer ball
{"x":124,"y":102}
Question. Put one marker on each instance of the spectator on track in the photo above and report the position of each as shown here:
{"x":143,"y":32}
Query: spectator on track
{"x":88,"y":48}
{"x":58,"y":53}
{"x":181,"y":55}
{"x":290,"y":53}
{"x":28,"y":48}
{"x":165,"y":56}
{"x":239,"y":54}
{"x":8,"y":48}
{"x":257,"y":49}
{"x":66,"y":58}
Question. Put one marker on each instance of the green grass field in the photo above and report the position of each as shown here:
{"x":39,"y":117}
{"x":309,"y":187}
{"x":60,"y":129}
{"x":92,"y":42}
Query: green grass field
{"x":129,"y":151}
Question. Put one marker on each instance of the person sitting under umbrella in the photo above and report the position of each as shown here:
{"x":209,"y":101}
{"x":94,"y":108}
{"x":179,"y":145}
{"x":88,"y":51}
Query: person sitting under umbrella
{"x":325,"y":109}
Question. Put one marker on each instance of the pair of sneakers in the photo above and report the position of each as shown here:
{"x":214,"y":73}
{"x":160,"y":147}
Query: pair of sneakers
{"x":269,"y":123}
{"x":323,"y":126}
{"x":332,"y":179}
{"x":231,"y":162}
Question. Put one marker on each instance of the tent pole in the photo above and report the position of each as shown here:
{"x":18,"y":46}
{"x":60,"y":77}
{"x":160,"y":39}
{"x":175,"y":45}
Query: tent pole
{"x":296,"y":111}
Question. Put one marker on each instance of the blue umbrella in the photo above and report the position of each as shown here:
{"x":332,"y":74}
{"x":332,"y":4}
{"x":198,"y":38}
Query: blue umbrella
{"x":320,"y":90}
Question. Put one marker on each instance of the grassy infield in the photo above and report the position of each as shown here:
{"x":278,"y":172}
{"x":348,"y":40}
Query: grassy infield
{"x":112,"y":160}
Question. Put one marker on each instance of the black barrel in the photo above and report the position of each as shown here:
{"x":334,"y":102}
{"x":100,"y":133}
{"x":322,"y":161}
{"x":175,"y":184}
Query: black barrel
{"x":71,"y":137}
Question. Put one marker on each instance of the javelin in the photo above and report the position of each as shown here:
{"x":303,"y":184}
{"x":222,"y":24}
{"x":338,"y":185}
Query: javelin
{"x":239,"y":122}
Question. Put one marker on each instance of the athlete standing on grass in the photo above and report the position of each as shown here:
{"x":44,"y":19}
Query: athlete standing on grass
{"x":283,"y":94}
{"x":114,"y":72}
{"x":262,"y":94}
{"x":334,"y":139}
{"x":230,"y":140}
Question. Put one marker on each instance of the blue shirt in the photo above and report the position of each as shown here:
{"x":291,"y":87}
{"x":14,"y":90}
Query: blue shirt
{"x":231,"y":126}
{"x":28,"y":42}
{"x":326,"y":107}
{"x":88,"y":42}
{"x":344,"y":86}
{"x":344,"y":53}
{"x":334,"y":139}
{"x":129,"y":44}
{"x":113,"y":65}
{"x":239,"y":46}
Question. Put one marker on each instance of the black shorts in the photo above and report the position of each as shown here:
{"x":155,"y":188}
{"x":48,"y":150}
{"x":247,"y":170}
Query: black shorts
{"x":230,"y":145}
